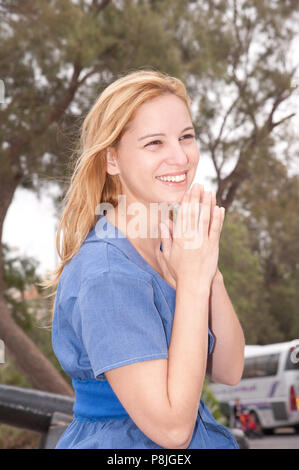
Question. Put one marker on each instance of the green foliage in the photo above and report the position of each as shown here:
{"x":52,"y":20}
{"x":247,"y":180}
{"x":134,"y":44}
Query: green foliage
{"x":55,"y":58}
{"x":14,"y":438}
{"x":32,"y":315}
{"x":272,"y":198}
{"x":10,"y":375}
{"x":19,"y":274}
{"x":213,"y":405}
{"x":243,"y":278}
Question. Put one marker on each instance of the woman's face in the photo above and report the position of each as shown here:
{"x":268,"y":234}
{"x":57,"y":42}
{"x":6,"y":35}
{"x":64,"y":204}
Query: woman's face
{"x":159,"y":141}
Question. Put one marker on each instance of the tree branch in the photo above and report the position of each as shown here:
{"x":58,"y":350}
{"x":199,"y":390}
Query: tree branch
{"x":96,"y":69}
{"x":68,"y":96}
{"x":99,"y":5}
{"x":228,"y":112}
{"x":277,"y":123}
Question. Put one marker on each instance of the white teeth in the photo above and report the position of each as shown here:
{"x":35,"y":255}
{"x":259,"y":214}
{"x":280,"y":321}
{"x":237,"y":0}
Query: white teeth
{"x":175,"y":179}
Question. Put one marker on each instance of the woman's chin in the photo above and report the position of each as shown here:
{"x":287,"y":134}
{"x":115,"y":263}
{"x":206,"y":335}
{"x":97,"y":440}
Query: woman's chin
{"x":174,"y":197}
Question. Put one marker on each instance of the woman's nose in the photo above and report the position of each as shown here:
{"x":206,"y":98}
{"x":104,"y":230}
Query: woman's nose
{"x":177,"y":155}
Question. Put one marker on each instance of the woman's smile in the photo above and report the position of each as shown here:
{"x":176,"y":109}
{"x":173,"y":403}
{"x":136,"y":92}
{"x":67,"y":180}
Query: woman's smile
{"x":177,"y":181}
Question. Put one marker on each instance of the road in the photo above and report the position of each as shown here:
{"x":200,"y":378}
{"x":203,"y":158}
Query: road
{"x":283,"y":438}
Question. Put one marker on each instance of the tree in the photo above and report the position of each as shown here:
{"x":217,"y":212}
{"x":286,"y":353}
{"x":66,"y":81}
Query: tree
{"x":272,"y":199}
{"x":28,"y":308}
{"x":244,"y":279}
{"x":241,"y":75}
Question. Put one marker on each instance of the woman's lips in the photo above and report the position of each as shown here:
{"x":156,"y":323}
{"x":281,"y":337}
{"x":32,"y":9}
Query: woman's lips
{"x":177,"y":184}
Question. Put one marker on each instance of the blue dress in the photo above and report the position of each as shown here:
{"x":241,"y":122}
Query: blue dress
{"x":112,"y":309}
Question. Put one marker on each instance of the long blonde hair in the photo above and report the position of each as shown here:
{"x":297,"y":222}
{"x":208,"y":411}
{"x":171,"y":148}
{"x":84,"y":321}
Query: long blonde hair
{"x":103,"y":127}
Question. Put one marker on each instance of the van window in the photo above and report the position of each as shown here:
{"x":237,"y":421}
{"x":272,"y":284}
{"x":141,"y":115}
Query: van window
{"x":292,"y":362}
{"x":260,"y":366}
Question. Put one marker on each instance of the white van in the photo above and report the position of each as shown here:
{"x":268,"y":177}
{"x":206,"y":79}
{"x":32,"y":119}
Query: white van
{"x":269,"y":387}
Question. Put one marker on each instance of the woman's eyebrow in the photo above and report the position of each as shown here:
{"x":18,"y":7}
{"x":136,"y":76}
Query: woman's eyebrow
{"x":154,"y":135}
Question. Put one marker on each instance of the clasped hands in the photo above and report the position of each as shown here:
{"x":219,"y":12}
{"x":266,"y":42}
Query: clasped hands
{"x":166,"y":273}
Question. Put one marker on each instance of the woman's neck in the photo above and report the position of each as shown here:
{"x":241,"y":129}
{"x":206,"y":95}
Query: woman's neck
{"x":144,"y":234}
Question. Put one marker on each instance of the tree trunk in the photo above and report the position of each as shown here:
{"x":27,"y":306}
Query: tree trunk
{"x":30,"y":361}
{"x":39,"y":371}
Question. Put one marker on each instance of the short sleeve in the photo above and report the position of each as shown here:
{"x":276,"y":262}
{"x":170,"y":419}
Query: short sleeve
{"x":120,"y":322}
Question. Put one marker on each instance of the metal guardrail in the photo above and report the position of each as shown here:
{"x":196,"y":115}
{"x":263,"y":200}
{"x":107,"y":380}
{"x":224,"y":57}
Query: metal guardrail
{"x":48,"y":413}
{"x":43,"y":412}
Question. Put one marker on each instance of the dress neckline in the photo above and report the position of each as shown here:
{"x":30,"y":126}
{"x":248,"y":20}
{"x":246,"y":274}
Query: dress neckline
{"x":137,"y":255}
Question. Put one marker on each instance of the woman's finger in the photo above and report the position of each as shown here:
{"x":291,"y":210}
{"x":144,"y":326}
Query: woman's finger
{"x":171,"y":228}
{"x":213,"y":204}
{"x":195,"y":207}
{"x":215,"y":225}
{"x":188,"y":214}
{"x":201,"y":192}
{"x":204,"y":219}
{"x":181,"y":216}
{"x":166,"y":240}
{"x":222,"y":217}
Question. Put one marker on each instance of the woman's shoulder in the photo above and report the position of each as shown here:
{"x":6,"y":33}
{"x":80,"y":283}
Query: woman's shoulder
{"x":93,"y":260}
{"x":115,"y":261}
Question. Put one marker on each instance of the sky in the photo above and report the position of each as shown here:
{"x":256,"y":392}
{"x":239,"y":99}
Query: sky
{"x":30,"y":224}
{"x":29,"y":228}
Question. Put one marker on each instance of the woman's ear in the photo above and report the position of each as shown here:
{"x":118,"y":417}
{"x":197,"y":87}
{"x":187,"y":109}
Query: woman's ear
{"x":112,"y":166}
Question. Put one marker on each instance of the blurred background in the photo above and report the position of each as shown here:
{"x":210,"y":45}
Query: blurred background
{"x":239,"y":61}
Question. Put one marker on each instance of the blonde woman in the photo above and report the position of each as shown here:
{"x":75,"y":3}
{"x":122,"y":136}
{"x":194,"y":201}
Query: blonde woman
{"x":131,"y":316}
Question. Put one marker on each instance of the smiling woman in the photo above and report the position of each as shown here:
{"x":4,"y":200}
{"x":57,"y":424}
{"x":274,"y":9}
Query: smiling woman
{"x":155,"y":171}
{"x":130,"y":319}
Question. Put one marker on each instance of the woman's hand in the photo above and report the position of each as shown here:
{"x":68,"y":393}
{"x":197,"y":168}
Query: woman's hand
{"x":213,"y":204}
{"x":205,"y":235}
{"x":162,"y":261}
{"x":217,"y":273}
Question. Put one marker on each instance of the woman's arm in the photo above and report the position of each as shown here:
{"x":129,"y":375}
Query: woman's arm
{"x":187,"y":354}
{"x":162,"y":395}
{"x":225,"y":364}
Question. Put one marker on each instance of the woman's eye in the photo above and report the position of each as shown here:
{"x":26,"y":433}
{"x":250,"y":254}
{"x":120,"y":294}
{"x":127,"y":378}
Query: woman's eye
{"x":153,"y":142}
{"x":188,"y":136}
